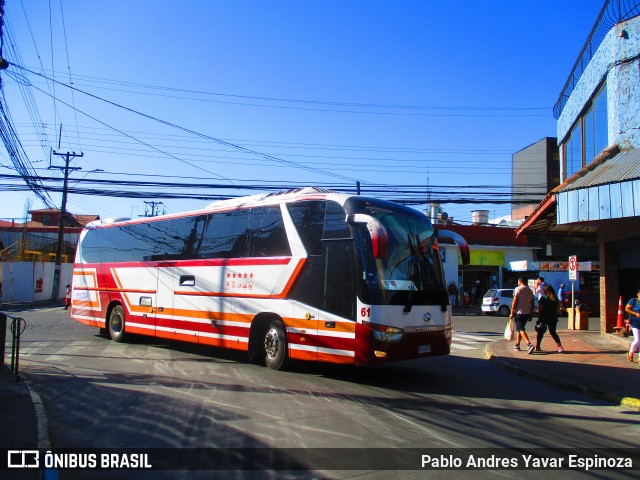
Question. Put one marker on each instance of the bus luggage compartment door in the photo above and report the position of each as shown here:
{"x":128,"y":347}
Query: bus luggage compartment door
{"x":302,"y":332}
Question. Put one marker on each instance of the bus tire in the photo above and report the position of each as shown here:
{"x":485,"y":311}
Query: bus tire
{"x":116,"y":324}
{"x":276,"y":350}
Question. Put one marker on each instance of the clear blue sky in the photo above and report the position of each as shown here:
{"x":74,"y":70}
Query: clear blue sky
{"x":420,"y":93}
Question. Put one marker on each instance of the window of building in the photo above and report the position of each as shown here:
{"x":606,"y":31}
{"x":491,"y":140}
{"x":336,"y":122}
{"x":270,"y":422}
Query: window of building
{"x":600,"y":125}
{"x":595,"y":126}
{"x":589,"y":135}
{"x":574,"y":150}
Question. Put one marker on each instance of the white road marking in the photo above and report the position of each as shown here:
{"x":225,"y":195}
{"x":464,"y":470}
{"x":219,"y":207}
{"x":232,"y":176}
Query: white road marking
{"x":464,"y":341}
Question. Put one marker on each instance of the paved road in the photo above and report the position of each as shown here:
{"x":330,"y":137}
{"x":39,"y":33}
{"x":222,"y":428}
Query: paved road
{"x":155,"y":394}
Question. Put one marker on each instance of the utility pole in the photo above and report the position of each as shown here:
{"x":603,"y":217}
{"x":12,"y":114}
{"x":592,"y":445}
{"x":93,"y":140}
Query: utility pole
{"x":153,"y":209}
{"x":56,"y":272}
{"x":3,"y":63}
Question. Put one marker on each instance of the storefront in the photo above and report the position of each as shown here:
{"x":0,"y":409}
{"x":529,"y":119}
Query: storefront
{"x":482,"y":273}
{"x":488,"y":268}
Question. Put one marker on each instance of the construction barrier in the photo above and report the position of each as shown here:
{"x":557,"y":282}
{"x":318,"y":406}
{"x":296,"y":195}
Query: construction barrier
{"x":622,"y":326}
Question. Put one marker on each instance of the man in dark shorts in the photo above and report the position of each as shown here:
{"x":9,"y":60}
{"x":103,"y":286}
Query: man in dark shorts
{"x":521,"y":312}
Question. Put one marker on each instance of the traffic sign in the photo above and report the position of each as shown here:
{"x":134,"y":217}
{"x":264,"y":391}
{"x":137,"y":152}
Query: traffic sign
{"x":573,"y":268}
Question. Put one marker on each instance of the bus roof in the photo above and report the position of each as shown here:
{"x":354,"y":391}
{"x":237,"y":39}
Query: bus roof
{"x":260,"y":199}
{"x":284,"y":196}
{"x":274,"y":198}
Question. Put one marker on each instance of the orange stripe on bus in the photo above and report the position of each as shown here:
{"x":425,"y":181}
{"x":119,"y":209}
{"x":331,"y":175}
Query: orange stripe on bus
{"x":332,"y":358}
{"x":119,"y":290}
{"x":292,"y":278}
{"x":91,"y":323}
{"x":302,"y":355}
{"x":86,"y":273}
{"x":223,"y":294}
{"x":342,"y":327}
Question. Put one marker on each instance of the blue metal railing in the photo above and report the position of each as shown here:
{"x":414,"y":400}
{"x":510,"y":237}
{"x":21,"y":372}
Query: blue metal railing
{"x":612,"y":13}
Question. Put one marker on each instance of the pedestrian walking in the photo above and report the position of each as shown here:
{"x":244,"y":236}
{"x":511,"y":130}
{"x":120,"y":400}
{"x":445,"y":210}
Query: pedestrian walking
{"x":561,"y":294}
{"x":67,"y":297}
{"x":540,"y":284}
{"x":475,"y":294}
{"x":548,"y":310}
{"x":633,"y":309}
{"x":453,"y":294}
{"x":521,"y":313}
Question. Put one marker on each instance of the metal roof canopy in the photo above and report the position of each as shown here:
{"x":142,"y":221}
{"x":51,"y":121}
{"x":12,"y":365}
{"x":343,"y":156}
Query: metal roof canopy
{"x":609,"y":191}
{"x":611,"y":168}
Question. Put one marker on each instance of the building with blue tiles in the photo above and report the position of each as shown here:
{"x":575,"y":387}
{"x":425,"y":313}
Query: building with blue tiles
{"x":598,"y":131}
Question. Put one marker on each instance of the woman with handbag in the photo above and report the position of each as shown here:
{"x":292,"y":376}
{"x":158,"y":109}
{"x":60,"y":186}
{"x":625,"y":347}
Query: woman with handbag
{"x":548,"y":310}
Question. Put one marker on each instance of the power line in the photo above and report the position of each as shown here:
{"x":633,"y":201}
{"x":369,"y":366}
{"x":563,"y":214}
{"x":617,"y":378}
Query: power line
{"x":407,"y":194}
{"x":92,"y":81}
{"x":101,"y":132}
{"x":178,"y":127}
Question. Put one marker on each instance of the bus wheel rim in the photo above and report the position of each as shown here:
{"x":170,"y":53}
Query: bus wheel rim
{"x":116,"y":323}
{"x":272,"y":343}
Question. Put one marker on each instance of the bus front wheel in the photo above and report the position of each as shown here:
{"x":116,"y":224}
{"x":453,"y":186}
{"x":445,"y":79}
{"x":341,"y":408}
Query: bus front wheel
{"x":116,"y":324}
{"x":276,"y":353}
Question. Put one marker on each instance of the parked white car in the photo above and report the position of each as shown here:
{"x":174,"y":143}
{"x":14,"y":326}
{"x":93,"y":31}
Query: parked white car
{"x":497,"y":302}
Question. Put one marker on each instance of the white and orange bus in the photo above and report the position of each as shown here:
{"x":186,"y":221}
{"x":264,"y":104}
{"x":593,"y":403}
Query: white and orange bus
{"x":305,"y":274}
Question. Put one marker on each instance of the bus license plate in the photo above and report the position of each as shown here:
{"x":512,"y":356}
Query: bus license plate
{"x":424,"y":348}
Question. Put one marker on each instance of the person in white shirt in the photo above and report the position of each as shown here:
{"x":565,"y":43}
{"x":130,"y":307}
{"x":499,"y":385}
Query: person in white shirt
{"x":540,"y":284}
{"x":521,"y":313}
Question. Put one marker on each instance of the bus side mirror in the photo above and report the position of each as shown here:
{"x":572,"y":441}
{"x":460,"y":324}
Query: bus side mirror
{"x":459,"y":240}
{"x":378,"y":234}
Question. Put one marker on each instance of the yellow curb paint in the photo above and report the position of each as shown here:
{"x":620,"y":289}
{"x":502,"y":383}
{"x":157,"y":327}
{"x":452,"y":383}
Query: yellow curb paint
{"x":630,"y":402}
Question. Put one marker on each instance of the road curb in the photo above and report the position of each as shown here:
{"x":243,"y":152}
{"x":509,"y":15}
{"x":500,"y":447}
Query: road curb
{"x":624,"y":341}
{"x":42,"y":425}
{"x":617,"y":399}
{"x":42,"y":430}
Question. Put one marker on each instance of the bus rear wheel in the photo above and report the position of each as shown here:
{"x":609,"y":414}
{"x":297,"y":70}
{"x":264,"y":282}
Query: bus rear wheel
{"x":116,"y":324}
{"x":276,"y":353}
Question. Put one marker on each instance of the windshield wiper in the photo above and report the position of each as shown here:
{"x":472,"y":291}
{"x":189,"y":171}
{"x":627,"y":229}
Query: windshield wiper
{"x":414,"y":250}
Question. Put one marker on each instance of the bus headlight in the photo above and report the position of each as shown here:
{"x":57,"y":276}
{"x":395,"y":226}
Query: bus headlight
{"x":385,"y":333}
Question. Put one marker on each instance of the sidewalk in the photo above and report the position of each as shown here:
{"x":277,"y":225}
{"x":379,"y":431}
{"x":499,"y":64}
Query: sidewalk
{"x":23,"y":421}
{"x":592,"y":364}
{"x":21,"y":413}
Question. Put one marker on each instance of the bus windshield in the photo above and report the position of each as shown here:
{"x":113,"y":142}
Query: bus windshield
{"x":409,"y":271}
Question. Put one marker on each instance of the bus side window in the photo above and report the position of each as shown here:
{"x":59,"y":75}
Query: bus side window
{"x":308,"y":286}
{"x":339,"y":292}
{"x":227,"y":235}
{"x":191,"y":231}
{"x":335,"y":224}
{"x":327,"y":278}
{"x":268,"y":235}
{"x":308,"y":218}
